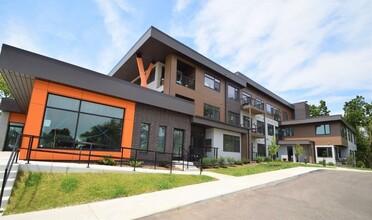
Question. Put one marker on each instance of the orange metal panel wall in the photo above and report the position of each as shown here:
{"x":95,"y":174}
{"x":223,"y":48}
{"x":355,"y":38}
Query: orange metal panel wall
{"x":33,"y":123}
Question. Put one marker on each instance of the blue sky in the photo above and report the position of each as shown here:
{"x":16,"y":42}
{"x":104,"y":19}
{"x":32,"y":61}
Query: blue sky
{"x":301,"y":50}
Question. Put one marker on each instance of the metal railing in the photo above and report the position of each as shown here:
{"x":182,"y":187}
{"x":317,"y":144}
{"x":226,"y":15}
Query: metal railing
{"x":186,"y":156}
{"x":185,"y":81}
{"x":205,"y":151}
{"x":253,"y":102}
{"x":12,"y":159}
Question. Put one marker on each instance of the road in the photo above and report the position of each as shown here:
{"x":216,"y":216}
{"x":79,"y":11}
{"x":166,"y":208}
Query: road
{"x":320,"y":195}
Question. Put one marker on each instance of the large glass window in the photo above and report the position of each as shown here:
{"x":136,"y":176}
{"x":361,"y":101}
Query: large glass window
{"x":246,"y":98}
{"x":322,"y":129}
{"x":211,"y":82}
{"x":269,"y":109}
{"x":233,"y":118}
{"x":231,"y":143}
{"x":260,"y":127}
{"x":270,"y":130}
{"x":246,"y":122}
{"x":232,"y":92}
{"x":14,"y":130}
{"x":324,"y":151}
{"x":144,"y":136}
{"x":68,"y":123}
{"x":178,"y":135}
{"x":211,"y":112}
{"x":287,"y":131}
{"x":161,"y":139}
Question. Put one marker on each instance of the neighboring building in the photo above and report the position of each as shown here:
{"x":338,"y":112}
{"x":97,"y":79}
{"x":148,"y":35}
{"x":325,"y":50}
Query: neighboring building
{"x":188,"y":101}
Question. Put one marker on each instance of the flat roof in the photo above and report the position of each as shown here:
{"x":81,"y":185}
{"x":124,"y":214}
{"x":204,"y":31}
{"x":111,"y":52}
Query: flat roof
{"x":318,"y":120}
{"x":20,"y":68}
{"x":155,"y":45}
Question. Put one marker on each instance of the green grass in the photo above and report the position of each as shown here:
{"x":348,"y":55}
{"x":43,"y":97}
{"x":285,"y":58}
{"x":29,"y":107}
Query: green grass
{"x":39,"y":191}
{"x":259,"y":168}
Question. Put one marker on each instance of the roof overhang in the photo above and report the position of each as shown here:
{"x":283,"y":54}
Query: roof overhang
{"x":154,"y":46}
{"x":9,"y":105}
{"x":216,"y":124}
{"x":20,"y":68}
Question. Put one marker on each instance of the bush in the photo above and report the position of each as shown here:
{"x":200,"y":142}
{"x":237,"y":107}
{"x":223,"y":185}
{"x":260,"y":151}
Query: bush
{"x":164,"y":163}
{"x":246,"y":161}
{"x":238,"y":162}
{"x":268,"y":159}
{"x":259,"y":159}
{"x":206,"y":163}
{"x":107,"y":160}
{"x":330,"y":164}
{"x":230,"y":161}
{"x":221,"y":162}
{"x":214,"y":162}
{"x":284,"y":159}
{"x":136,"y":163}
{"x":360,"y":164}
{"x":350,"y":161}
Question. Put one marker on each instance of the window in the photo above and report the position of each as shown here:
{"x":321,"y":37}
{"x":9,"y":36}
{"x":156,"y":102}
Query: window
{"x":144,"y":136}
{"x":261,"y":150}
{"x":246,"y":98}
{"x":212,"y":82}
{"x":231,"y":143}
{"x":269,"y":109}
{"x":161,"y":139}
{"x":233,"y":118}
{"x":270,"y":130}
{"x":259,"y":104}
{"x":287,"y":131}
{"x":178,"y":142}
{"x":232,"y":92}
{"x":68,"y":122}
{"x":14,"y":130}
{"x":322,"y":129}
{"x":343,"y":132}
{"x":246,"y":122}
{"x":211,"y":112}
{"x":260,"y":127}
{"x":285,"y":116}
{"x":185,"y":75}
{"x":276,"y":113}
{"x":324,"y":151}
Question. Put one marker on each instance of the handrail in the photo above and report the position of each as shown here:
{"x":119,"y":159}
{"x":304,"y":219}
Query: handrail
{"x":188,"y":156}
{"x":13,"y":157}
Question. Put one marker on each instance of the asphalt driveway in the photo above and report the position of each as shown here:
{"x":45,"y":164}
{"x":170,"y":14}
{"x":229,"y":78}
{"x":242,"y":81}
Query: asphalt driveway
{"x":321,"y":195}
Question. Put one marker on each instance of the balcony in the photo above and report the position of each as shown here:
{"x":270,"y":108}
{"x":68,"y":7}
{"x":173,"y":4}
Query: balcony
{"x":256,"y":105}
{"x":185,"y":81}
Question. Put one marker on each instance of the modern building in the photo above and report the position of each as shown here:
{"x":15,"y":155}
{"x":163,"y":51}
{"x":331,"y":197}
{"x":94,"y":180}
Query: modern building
{"x":161,"y":96}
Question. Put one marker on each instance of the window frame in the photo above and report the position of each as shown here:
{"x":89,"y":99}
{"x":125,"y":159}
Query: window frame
{"x":215,"y":82}
{"x":236,"y":92}
{"x":235,"y":118}
{"x":235,"y":140}
{"x":328,"y":150}
{"x":147,"y":141}
{"x":214,"y":110}
{"x":271,"y":131}
{"x":164,"y":141}
{"x":324,"y":127}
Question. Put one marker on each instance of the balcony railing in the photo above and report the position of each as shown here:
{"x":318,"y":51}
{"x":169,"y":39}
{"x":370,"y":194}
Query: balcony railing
{"x":253,"y":102}
{"x":185,"y":81}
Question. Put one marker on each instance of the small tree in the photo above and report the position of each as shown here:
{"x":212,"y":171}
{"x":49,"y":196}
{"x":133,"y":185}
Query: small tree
{"x":273,"y":148}
{"x":298,"y":150}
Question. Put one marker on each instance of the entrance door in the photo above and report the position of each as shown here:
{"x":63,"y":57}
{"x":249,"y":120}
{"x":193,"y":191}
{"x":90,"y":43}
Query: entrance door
{"x":14,"y":130}
{"x":290,"y":153}
{"x":177,"y":143}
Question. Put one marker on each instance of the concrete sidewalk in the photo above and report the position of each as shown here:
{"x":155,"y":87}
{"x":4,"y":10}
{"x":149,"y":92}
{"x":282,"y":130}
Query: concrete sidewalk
{"x":148,"y":204}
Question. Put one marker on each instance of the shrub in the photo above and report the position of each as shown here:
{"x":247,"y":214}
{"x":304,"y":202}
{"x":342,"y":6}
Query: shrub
{"x":360,"y":164}
{"x":350,"y":161}
{"x":221,"y":162}
{"x":206,"y":163}
{"x":107,"y":160}
{"x":268,"y":159}
{"x":164,"y":163}
{"x":230,"y":161}
{"x":246,"y":161}
{"x":238,"y":162}
{"x":259,"y":159}
{"x":214,"y":162}
{"x":136,"y":163}
{"x":330,"y":164}
{"x":284,"y":159}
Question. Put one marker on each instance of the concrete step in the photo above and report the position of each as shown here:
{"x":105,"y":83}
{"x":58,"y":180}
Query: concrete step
{"x":10,"y":181}
{"x":7,"y":191}
{"x":12,"y":175}
{"x":4,"y":201}
{"x":3,"y":166}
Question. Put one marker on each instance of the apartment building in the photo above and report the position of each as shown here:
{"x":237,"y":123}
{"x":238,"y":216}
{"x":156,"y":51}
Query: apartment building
{"x":179,"y":100}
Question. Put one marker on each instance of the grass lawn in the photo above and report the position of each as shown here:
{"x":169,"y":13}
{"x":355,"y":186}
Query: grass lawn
{"x":258,"y":168}
{"x":38,"y":191}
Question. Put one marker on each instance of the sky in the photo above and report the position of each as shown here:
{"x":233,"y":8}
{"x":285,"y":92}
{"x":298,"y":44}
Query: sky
{"x":299,"y":49}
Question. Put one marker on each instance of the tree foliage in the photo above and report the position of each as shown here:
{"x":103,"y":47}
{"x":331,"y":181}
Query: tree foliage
{"x":357,"y":113}
{"x":273,"y":148}
{"x":321,"y":110}
{"x":4,"y":90}
{"x":298,"y":150}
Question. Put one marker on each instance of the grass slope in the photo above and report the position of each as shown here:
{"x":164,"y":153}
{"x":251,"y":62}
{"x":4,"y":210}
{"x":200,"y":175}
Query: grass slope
{"x":38,"y":191}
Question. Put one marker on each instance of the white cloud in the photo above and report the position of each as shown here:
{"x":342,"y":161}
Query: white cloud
{"x":320,"y":47}
{"x":181,"y":5}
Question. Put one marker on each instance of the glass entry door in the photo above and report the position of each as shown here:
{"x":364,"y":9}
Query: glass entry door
{"x":14,"y":130}
{"x":177,"y":143}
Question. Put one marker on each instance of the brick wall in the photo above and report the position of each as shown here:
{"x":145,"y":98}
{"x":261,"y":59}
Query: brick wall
{"x":159,"y":117}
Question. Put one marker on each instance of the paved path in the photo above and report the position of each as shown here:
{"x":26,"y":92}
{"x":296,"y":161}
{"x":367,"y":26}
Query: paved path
{"x":330,"y":194}
{"x":148,"y":204}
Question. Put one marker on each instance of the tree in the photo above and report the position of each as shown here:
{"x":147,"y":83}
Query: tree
{"x":4,"y":90}
{"x":321,"y":110}
{"x":357,"y":113}
{"x":298,"y":150}
{"x":273,"y":148}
